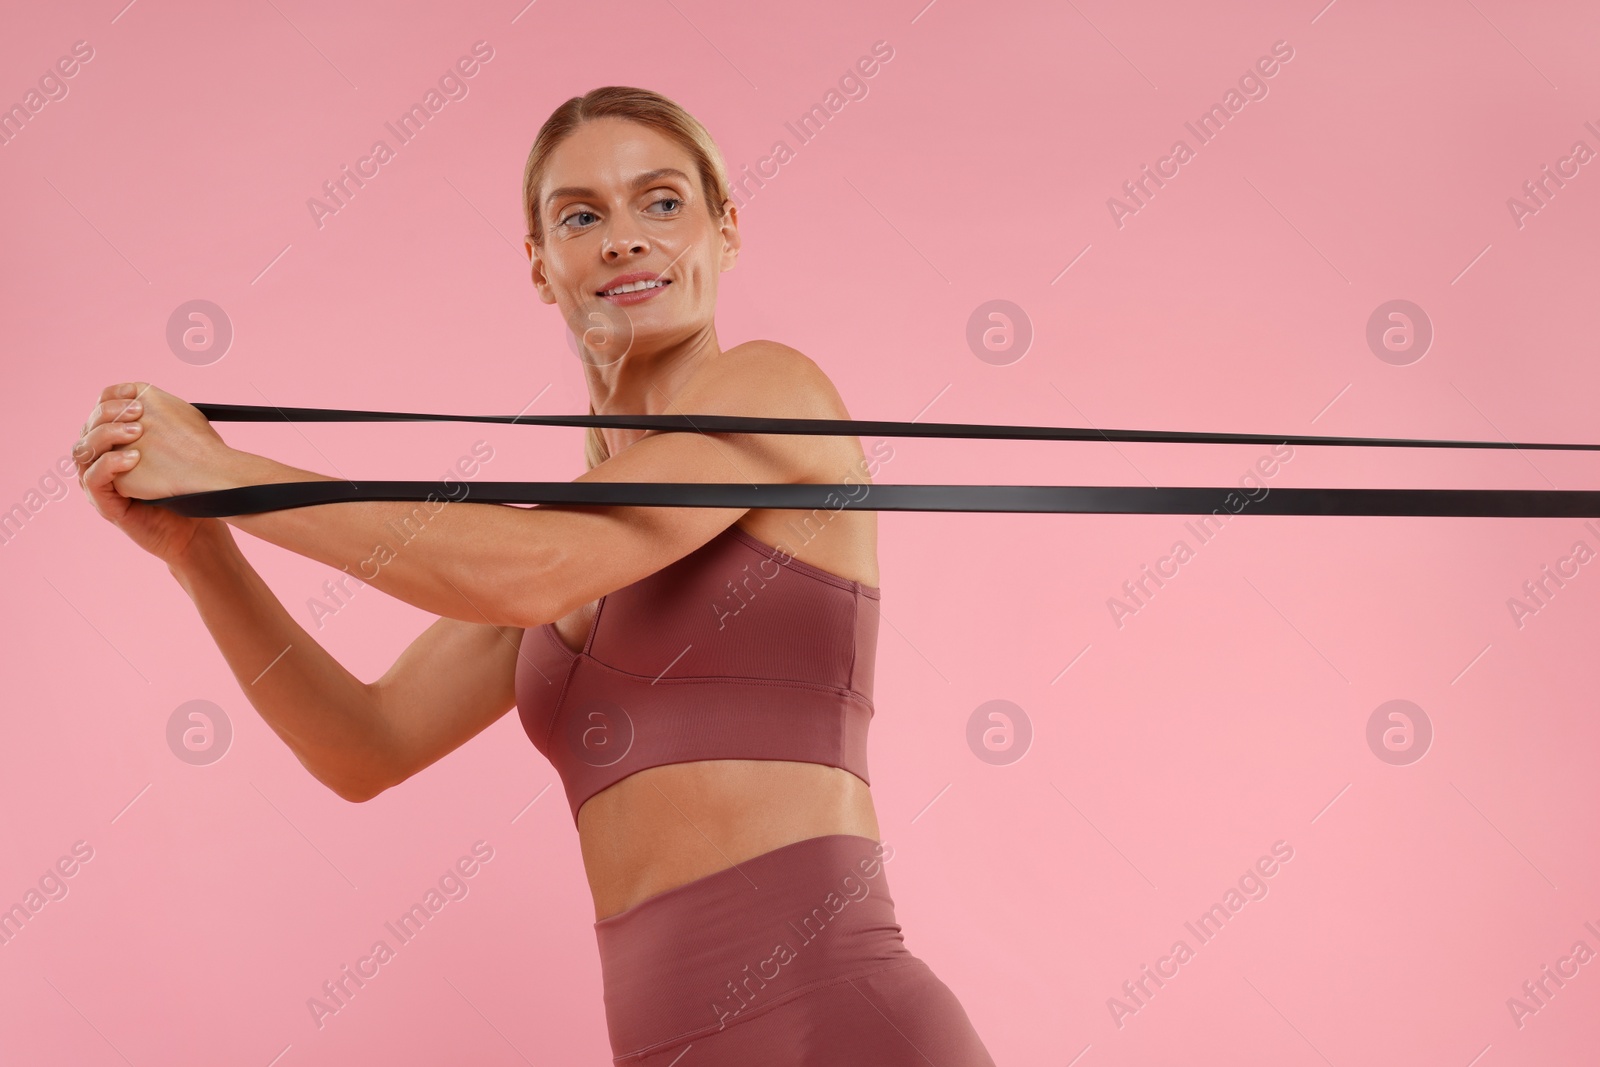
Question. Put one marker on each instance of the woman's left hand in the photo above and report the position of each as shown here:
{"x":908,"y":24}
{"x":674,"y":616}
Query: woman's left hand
{"x":179,"y":452}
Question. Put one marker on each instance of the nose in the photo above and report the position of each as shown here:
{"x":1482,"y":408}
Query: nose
{"x":614,"y":247}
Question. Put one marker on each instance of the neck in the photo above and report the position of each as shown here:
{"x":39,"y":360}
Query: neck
{"x":645,"y":382}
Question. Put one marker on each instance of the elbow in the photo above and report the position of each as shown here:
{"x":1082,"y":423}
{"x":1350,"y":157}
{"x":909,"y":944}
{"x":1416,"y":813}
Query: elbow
{"x":352,"y":791}
{"x":360,"y":789}
{"x":358,"y":796}
{"x":344,"y":786}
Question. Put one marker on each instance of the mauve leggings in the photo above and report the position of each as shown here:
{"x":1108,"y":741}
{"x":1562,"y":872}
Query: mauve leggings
{"x":790,"y":958}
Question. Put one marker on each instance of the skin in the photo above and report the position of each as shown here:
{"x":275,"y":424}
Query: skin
{"x":490,"y":571}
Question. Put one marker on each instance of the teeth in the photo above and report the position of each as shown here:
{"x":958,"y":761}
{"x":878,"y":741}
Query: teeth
{"x":634,"y":287}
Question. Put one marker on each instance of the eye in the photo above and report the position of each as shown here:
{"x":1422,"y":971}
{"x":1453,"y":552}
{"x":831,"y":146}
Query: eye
{"x":677,"y":200}
{"x":575,"y":214}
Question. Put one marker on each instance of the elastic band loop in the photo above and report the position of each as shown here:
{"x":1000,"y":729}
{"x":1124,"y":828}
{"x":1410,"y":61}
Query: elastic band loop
{"x":1077,"y":499}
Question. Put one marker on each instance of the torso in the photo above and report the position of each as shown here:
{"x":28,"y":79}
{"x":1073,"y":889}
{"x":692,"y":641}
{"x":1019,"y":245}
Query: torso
{"x":668,"y":825}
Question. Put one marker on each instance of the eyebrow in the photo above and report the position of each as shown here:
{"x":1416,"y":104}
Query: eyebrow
{"x":643,"y":179}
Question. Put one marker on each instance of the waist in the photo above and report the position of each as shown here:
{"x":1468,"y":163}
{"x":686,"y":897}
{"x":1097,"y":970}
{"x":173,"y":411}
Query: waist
{"x":725,"y":947}
{"x":667,"y":825}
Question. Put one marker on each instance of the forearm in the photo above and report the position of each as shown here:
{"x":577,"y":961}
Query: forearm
{"x":445,"y":556}
{"x":327,"y":716}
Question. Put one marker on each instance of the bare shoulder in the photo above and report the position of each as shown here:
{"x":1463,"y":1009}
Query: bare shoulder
{"x":774,"y":380}
{"x":770,"y":378}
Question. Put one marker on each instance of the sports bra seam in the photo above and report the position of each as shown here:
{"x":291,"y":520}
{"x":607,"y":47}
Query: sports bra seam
{"x":560,"y":704}
{"x":855,"y":646}
{"x":548,"y":629}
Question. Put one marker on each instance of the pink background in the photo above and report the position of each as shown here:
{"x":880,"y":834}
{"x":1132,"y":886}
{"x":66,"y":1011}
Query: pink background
{"x":1228,"y":714}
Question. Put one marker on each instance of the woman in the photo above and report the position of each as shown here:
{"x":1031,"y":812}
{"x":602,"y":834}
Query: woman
{"x":703,"y":691}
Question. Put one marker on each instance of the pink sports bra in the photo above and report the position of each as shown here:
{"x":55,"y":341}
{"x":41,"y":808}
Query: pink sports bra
{"x":735,"y":651}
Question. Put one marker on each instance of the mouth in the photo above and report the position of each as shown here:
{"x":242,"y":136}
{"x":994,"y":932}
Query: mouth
{"x":629,"y":288}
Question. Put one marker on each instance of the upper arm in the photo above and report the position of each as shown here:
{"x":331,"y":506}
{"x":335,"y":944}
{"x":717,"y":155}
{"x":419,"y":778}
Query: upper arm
{"x":447,"y":687}
{"x":587,"y":551}
{"x":459,"y":677}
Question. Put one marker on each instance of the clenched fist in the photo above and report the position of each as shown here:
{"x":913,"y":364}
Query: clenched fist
{"x":142,"y":443}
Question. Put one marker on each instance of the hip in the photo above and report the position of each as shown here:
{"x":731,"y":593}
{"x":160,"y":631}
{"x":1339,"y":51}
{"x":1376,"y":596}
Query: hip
{"x":795,"y":952}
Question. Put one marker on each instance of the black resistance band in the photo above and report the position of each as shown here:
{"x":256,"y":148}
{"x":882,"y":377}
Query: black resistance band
{"x":1080,"y":499}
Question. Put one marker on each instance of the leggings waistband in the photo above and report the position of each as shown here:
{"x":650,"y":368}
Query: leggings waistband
{"x":708,"y":954}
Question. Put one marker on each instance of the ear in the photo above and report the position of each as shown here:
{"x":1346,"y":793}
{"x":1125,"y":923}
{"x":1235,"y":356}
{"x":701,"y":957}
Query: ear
{"x":729,"y":227}
{"x":541,"y":283}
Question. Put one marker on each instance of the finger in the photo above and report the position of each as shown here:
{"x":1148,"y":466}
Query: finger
{"x":123,"y":390}
{"x":104,"y":438}
{"x":97,"y":480}
{"x":124,"y":396}
{"x":113,"y":411}
{"x":108,"y":394}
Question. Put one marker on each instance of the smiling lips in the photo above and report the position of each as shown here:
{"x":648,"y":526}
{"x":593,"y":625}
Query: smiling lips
{"x":634,"y":288}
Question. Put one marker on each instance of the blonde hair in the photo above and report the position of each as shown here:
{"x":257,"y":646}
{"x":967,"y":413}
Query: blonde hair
{"x":649,"y":109}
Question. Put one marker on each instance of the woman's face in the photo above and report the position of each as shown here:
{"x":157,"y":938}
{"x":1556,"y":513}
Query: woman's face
{"x":617,"y":199}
